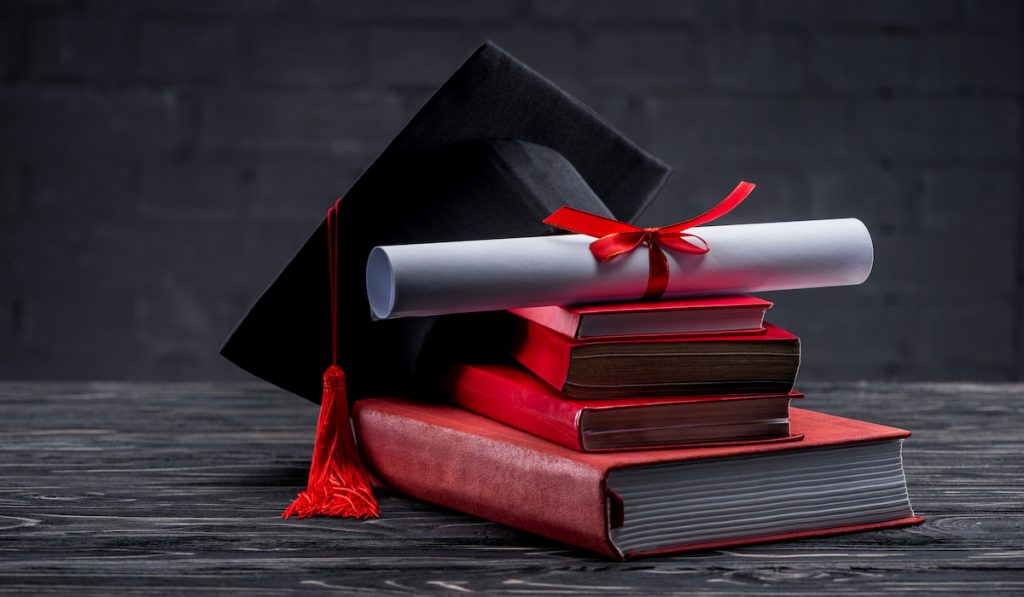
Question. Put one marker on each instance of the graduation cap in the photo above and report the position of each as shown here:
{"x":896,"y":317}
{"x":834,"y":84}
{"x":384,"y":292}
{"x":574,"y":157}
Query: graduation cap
{"x":495,"y":150}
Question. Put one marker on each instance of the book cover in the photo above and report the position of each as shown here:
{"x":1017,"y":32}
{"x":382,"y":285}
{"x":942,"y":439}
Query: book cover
{"x":669,"y":365}
{"x":706,"y":315}
{"x":845,"y":476}
{"x":513,"y":396}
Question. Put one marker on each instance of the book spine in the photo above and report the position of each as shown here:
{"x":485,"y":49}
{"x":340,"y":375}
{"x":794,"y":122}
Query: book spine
{"x":488,"y":476}
{"x":508,"y":402}
{"x":542,"y":351}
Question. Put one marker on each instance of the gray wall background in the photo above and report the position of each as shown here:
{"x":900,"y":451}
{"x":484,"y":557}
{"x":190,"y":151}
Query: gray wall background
{"x":162,"y":159}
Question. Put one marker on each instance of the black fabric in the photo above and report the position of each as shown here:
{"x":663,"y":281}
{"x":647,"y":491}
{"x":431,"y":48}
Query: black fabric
{"x":496,"y":150}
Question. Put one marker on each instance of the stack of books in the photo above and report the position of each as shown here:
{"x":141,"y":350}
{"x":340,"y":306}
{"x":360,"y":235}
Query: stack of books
{"x":641,"y":428}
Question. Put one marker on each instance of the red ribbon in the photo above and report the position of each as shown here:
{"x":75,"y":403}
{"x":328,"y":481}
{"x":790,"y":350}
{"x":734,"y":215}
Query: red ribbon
{"x":615,"y":238}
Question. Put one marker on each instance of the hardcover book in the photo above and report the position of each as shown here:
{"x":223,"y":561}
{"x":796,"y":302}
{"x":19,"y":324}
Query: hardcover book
{"x":722,"y":314}
{"x":511,"y":395}
{"x":676,"y":365}
{"x":844,"y":476}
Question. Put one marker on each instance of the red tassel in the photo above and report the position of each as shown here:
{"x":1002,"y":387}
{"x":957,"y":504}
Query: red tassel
{"x":338,"y":482}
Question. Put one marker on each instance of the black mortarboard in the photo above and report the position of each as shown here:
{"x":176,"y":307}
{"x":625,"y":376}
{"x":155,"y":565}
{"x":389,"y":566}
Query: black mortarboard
{"x":493,"y":152}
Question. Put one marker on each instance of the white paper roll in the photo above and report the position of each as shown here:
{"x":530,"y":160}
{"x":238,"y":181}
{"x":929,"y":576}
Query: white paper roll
{"x":489,"y":275}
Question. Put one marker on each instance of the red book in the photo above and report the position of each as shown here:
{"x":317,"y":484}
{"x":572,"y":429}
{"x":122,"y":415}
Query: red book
{"x":844,"y":476}
{"x":511,"y":395}
{"x":707,"y":315}
{"x":676,"y":365}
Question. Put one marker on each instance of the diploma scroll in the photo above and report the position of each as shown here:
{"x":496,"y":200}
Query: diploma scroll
{"x":489,"y":275}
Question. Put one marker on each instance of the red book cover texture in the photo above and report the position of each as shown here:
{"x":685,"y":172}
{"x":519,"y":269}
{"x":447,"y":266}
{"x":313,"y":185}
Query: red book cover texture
{"x":513,"y":396}
{"x":566,"y":319}
{"x":547,"y":353}
{"x":457,"y":459}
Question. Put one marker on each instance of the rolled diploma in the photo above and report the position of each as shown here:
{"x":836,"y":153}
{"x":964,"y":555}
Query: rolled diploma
{"x":488,"y":275}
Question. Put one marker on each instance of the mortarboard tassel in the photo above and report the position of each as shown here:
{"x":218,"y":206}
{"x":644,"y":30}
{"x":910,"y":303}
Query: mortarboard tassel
{"x":338,"y":482}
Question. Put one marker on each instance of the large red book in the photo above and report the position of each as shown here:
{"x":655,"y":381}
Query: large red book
{"x":513,"y":396}
{"x":844,"y":476}
{"x":704,"y":315}
{"x":671,"y":365}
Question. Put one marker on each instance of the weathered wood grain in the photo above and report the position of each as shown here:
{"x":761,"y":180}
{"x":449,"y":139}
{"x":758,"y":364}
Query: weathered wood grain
{"x":177,"y":488}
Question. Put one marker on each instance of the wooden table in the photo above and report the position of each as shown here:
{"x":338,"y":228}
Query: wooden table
{"x":153,"y":488}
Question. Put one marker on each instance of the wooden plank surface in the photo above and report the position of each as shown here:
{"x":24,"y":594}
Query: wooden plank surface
{"x":177,"y":488}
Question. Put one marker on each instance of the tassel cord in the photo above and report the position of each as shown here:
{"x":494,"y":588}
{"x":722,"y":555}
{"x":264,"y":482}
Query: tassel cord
{"x":338,"y":483}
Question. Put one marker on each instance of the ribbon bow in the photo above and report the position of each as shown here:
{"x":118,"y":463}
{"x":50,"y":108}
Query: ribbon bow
{"x":615,"y":238}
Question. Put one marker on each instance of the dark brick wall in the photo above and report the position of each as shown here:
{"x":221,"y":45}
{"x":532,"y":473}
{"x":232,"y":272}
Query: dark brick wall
{"x":162,"y":159}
